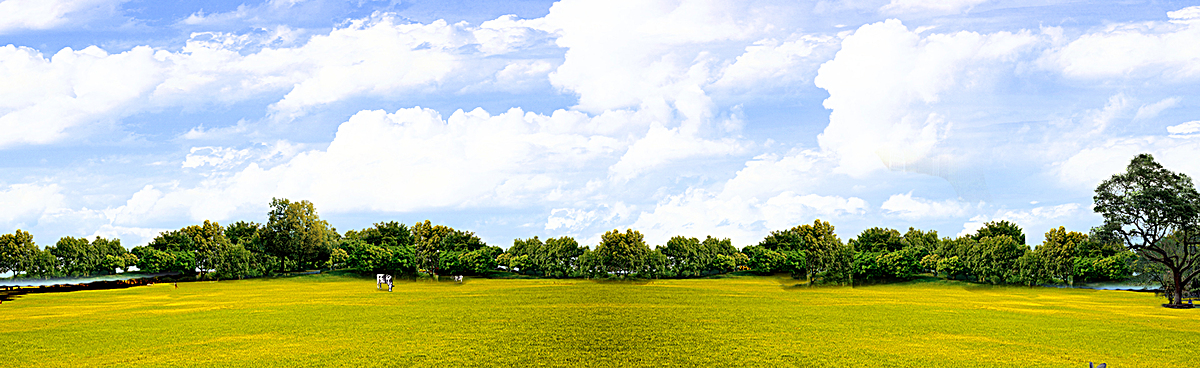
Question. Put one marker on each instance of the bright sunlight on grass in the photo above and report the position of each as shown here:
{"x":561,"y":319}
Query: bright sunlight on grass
{"x":329,"y":320}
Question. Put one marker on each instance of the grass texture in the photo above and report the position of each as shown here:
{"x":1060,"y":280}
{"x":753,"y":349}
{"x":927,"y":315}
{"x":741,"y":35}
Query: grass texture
{"x":326,"y":320}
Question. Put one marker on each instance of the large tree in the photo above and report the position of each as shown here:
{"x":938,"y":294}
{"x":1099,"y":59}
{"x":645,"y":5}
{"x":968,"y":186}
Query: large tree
{"x":1155,"y":212}
{"x":210,"y":244}
{"x":295,"y":233}
{"x":18,"y":253}
{"x":825,"y":254}
{"x":622,"y":253}
{"x":1058,"y":253}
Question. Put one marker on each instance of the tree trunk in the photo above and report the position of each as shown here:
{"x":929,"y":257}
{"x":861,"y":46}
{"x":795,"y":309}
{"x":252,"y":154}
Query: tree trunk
{"x":1177,"y":278}
{"x":809,"y":278}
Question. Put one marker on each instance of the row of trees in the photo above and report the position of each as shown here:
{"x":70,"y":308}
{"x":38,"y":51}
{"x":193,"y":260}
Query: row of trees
{"x":1152,"y":226}
{"x":70,"y":256}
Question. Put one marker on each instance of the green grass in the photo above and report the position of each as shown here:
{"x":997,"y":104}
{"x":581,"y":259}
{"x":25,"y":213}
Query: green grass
{"x":738,"y":321}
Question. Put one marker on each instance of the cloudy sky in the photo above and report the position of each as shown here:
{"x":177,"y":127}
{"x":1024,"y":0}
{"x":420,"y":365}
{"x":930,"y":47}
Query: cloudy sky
{"x":124,"y":118}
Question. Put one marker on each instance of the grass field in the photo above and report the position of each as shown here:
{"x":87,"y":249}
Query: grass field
{"x":743,"y":321}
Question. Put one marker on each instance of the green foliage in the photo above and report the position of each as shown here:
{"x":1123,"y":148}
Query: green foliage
{"x":952,"y":267}
{"x":994,"y":258}
{"x":690,"y":257}
{"x":338,"y":258}
{"x":79,"y":257}
{"x":1156,"y":213}
{"x":18,"y":253}
{"x":1058,"y":253}
{"x":428,"y":241}
{"x":764,"y":261}
{"x":208,"y":244}
{"x":297,"y":235}
{"x":825,"y":254}
{"x":877,"y":239}
{"x":1032,"y":269}
{"x":622,"y":253}
{"x":998,"y":228}
{"x":235,"y":261}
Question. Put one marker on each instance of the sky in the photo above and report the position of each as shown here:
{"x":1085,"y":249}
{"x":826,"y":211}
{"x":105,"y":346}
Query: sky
{"x":513,"y":119}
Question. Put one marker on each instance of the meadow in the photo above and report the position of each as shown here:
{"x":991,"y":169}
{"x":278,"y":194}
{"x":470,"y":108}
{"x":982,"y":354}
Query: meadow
{"x":329,"y":320}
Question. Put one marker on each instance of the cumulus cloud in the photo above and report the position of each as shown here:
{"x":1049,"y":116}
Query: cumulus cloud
{"x":885,"y":83}
{"x":1166,"y":51}
{"x":19,"y":15}
{"x":23,"y":204}
{"x":1102,"y":159}
{"x":661,"y":146}
{"x":769,"y":61}
{"x":412,"y":159}
{"x":769,"y":193}
{"x":629,"y":53}
{"x":43,"y":99}
{"x":1032,"y":221}
{"x":744,"y":220}
{"x":909,"y":208}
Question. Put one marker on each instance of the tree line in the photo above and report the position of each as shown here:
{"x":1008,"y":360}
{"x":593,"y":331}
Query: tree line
{"x":1151,"y":229}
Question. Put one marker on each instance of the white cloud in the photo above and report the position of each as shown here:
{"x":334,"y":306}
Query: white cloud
{"x":662,"y":145}
{"x":745,"y":220}
{"x":218,"y":157}
{"x":18,"y":15}
{"x":885,"y":83}
{"x":771,"y":62}
{"x":43,"y":99}
{"x":1100,"y":160}
{"x":944,"y":6}
{"x":1151,"y":111}
{"x":765,"y":195}
{"x":909,"y":208}
{"x":1185,"y":130}
{"x":629,"y":53}
{"x":23,"y":204}
{"x":1169,"y":52}
{"x":1031,"y":221}
{"x":570,"y":219}
{"x":409,"y":160}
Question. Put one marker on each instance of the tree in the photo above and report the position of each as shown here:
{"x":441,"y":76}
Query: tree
{"x":234,"y":261}
{"x":1032,"y":269}
{"x":1058,"y":253}
{"x":338,"y":257}
{"x":622,"y":253}
{"x":18,"y":253}
{"x":1156,"y":213}
{"x":1002,"y":227}
{"x":208,"y":242}
{"x":683,"y":255}
{"x":877,"y":239}
{"x":247,"y":234}
{"x":825,"y":255}
{"x":428,"y":240}
{"x":76,"y":256}
{"x":296,"y":234}
{"x":994,"y":258}
{"x":562,"y":256}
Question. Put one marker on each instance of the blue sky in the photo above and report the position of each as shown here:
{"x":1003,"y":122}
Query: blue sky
{"x":521,"y":118}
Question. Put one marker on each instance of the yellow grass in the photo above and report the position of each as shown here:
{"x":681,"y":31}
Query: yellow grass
{"x":747,"y":321}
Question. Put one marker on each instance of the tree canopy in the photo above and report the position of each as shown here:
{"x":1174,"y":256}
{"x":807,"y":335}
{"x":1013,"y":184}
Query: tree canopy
{"x":1155,"y":212}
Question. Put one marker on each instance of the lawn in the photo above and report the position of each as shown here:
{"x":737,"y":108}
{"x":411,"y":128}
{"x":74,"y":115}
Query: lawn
{"x":326,"y":320}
